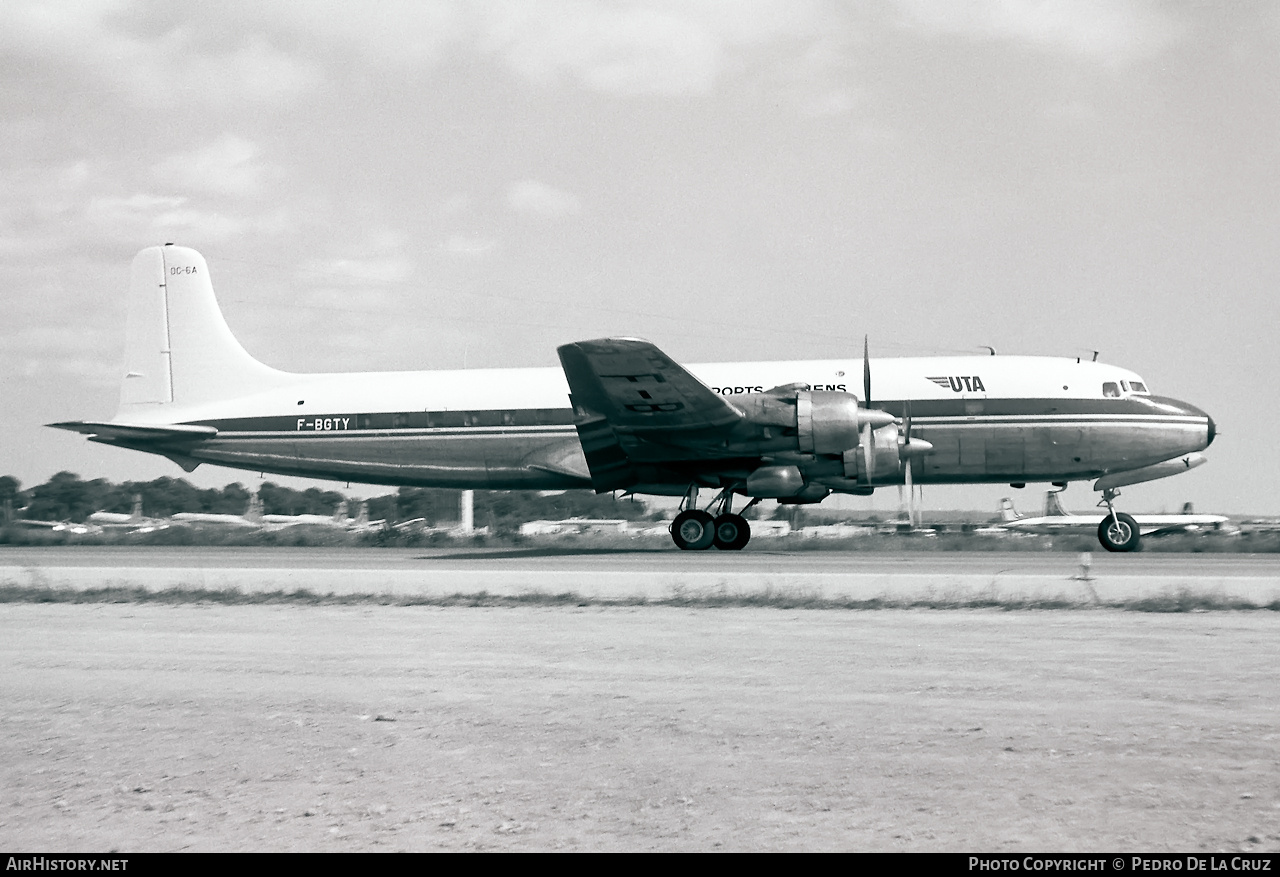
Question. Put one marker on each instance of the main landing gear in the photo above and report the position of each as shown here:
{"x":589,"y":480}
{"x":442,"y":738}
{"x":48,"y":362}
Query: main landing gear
{"x":697,"y":530}
{"x":1118,"y":531}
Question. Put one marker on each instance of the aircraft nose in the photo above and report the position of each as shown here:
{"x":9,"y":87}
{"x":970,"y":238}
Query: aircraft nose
{"x":1167,"y":405}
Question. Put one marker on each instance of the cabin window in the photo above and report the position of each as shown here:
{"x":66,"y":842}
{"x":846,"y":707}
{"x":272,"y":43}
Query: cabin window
{"x":1111,"y":389}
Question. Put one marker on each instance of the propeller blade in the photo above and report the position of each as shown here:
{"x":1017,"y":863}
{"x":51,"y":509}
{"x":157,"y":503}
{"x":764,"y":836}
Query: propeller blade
{"x":911,"y":496}
{"x":906,"y":451}
{"x":866,"y":372}
{"x":868,"y":450}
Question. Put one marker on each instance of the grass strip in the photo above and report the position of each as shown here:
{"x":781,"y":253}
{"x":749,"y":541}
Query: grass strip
{"x":1182,"y":600}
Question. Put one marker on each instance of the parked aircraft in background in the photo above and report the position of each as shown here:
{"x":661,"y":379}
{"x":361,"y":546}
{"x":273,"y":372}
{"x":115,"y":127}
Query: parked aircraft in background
{"x":254,"y":517}
{"x":135,"y":521}
{"x":57,"y":526}
{"x":1056,"y":519}
{"x":620,"y":415}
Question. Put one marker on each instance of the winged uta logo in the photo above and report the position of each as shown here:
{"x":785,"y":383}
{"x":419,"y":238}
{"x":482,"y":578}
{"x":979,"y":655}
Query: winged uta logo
{"x":958,"y":383}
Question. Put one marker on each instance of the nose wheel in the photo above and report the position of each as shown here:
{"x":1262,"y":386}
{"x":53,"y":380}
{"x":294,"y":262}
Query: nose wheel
{"x":1118,"y":532}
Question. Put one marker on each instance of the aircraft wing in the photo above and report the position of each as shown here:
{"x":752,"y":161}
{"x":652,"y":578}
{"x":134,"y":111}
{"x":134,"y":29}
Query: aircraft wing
{"x":634,"y":406}
{"x":639,"y":389}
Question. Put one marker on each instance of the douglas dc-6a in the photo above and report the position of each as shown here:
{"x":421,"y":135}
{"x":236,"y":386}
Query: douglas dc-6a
{"x":620,"y":415}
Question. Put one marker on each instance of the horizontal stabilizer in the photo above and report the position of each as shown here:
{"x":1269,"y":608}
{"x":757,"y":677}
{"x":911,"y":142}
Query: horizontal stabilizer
{"x":126,"y":432}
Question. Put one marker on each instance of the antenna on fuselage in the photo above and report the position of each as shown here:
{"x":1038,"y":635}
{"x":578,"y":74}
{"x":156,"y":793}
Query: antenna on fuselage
{"x":1095,"y":355}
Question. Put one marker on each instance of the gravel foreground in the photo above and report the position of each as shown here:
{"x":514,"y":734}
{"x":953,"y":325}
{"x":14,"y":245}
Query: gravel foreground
{"x":139,"y":727}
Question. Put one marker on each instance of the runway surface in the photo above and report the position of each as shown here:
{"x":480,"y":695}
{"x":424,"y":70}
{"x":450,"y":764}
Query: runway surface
{"x":605,"y":574}
{"x":138,"y":727}
{"x":200,"y":726}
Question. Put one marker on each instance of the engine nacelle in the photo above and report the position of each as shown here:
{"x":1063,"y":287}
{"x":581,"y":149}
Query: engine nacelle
{"x":772,"y":482}
{"x":825,"y":422}
{"x":828,"y":422}
{"x":886,"y":461}
{"x":889,"y":449}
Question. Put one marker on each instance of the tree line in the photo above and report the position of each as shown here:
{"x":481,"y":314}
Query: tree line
{"x":68,"y":497}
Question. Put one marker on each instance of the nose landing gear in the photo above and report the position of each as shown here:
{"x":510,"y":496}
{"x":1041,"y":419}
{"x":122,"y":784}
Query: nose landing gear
{"x":1118,"y":531}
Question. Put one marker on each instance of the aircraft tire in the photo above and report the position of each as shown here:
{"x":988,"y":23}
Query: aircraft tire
{"x":732,"y":532}
{"x":693,"y":530}
{"x":1120,"y":534}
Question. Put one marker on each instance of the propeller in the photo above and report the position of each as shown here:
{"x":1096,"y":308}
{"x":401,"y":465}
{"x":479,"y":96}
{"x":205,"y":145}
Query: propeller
{"x":868,"y":434}
{"x":906,"y":454}
{"x":874,"y":418}
{"x":866,"y":371}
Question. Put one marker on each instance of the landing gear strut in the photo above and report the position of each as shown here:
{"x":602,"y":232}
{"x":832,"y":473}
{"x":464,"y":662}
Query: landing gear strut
{"x":696,"y":530}
{"x":1118,"y":531}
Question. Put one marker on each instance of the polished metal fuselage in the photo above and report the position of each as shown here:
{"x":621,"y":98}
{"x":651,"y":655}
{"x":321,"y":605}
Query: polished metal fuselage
{"x":998,"y":441}
{"x":988,"y":419}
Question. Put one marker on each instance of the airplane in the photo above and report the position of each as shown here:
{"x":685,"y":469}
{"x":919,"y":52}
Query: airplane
{"x":1056,"y":519}
{"x":621,"y":415}
{"x":57,"y":526}
{"x":251,"y":518}
{"x":337,"y":519}
{"x":134,"y":522}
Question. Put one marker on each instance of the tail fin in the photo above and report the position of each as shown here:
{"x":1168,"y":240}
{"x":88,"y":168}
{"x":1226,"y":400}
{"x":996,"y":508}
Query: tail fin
{"x":1188,"y":508}
{"x":1053,"y":505}
{"x":254,"y":511}
{"x":178,"y":347}
{"x":1007,"y":512}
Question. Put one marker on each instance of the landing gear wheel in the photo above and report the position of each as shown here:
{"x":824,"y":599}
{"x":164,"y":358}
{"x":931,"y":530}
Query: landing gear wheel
{"x":732,"y":532}
{"x":693,"y":530}
{"x":1119,"y":533}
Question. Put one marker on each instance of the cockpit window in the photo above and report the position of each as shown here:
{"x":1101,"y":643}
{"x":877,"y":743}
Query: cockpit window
{"x":1110,"y":388}
{"x":1139,"y":387}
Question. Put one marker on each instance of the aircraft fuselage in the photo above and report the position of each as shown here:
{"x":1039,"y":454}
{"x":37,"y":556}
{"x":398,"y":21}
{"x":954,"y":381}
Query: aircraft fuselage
{"x":989,"y":419}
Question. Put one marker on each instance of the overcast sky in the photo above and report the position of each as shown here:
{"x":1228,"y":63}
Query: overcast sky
{"x":426,"y":184}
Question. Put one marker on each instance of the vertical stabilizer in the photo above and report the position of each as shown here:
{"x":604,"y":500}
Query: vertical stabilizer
{"x":1053,"y":505}
{"x":147,"y":379}
{"x":254,"y":511}
{"x":179,"y":348}
{"x":1008,"y":513}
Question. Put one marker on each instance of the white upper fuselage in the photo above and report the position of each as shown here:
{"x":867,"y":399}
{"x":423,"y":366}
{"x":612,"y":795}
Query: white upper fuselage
{"x":897,"y":379}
